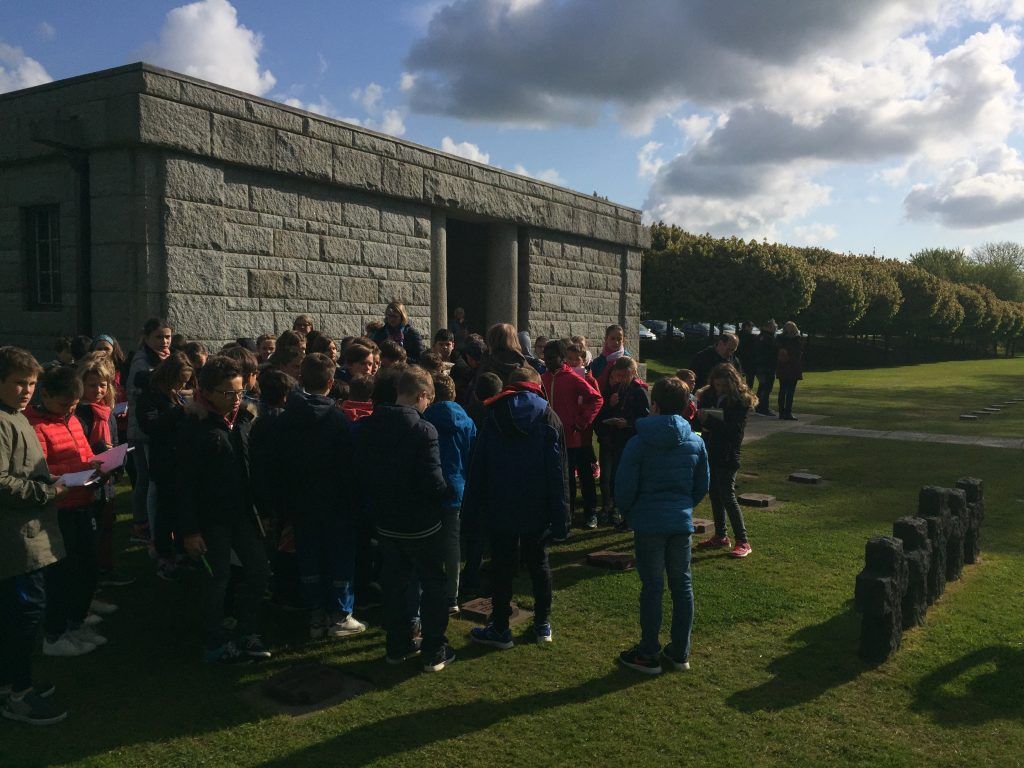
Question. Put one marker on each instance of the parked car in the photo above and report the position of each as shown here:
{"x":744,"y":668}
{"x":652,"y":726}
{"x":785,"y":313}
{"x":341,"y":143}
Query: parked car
{"x":696,"y":329}
{"x":660,"y":329}
{"x":646,"y":334}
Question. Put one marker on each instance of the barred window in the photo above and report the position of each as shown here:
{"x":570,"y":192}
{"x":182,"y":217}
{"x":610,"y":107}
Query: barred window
{"x":42,"y":254}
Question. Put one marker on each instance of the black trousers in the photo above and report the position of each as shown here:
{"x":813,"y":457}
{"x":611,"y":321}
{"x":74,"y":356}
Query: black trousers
{"x":787,"y":388}
{"x":241,"y":536}
{"x":507,"y":552}
{"x":71,"y":582}
{"x":765,"y":384}
{"x":581,"y":460}
{"x":22,"y":604}
{"x":401,"y":560}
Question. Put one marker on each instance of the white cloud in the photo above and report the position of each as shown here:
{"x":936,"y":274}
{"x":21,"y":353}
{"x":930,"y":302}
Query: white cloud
{"x":19,"y":71}
{"x":379,"y":115}
{"x":649,"y":163}
{"x":46,"y":31}
{"x":369,"y":97}
{"x":322,"y":65}
{"x":321,"y":107}
{"x":206,"y":40}
{"x":464,"y":149}
{"x":550,"y":175}
{"x":407,"y":83}
{"x":814,"y":234}
{"x":391,"y":122}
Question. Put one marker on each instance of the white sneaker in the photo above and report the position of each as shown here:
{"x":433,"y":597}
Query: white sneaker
{"x":92,"y":619}
{"x":89,"y":635}
{"x":345,"y":627}
{"x":67,"y":645}
{"x":102,"y":607}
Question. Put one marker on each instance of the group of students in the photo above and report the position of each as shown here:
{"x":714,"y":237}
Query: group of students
{"x":350,"y":474}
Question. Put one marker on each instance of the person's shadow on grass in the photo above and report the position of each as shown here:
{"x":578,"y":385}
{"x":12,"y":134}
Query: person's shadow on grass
{"x":981,"y":686}
{"x":414,"y":730}
{"x":827,"y":658}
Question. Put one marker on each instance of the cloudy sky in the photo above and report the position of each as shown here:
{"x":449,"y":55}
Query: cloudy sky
{"x":860,"y":125}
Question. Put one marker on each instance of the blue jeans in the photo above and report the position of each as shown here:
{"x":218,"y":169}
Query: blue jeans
{"x":658,"y":554}
{"x":325,"y":549}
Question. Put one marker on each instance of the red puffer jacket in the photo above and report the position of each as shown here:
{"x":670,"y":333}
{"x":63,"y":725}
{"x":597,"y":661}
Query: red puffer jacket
{"x":65,"y":448}
{"x":575,"y":400}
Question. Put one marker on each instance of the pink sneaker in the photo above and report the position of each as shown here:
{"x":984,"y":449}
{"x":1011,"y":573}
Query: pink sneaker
{"x":715,"y":542}
{"x":742,"y":549}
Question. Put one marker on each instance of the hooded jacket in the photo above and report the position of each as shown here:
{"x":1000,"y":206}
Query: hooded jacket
{"x":143,"y":362}
{"x":30,"y":536}
{"x":575,"y":400}
{"x":519,"y":479}
{"x":663,"y":474}
{"x":398,"y":470}
{"x":158,"y":417}
{"x":313,"y":446}
{"x":213,"y":469}
{"x":633,"y":403}
{"x":724,"y":437}
{"x":456,"y":433}
{"x":411,"y":340}
{"x":66,"y":449}
{"x":706,"y":360}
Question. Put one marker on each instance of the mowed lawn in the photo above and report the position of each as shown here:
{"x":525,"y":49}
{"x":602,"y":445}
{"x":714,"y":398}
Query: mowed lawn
{"x":775,"y":677}
{"x":923,"y":398}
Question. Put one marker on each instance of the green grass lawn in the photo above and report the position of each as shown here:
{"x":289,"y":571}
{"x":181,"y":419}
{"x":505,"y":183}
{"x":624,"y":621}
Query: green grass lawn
{"x":775,"y":677}
{"x":923,"y":398}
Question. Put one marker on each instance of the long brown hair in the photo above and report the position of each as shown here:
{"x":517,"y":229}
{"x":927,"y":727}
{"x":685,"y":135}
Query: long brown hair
{"x":166,"y":376}
{"x":737,"y":389}
{"x":502,"y":336}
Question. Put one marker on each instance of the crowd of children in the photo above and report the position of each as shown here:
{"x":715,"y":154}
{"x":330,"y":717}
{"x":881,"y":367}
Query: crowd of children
{"x":339,"y":476}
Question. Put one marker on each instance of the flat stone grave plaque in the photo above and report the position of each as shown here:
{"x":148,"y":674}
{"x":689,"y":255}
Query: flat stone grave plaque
{"x":307,"y":687}
{"x":612,"y":561}
{"x":981,"y":413}
{"x":805,"y":478}
{"x":700,"y":525}
{"x":1010,"y":402}
{"x":756,"y":499}
{"x":968,"y":417}
{"x":479,"y":611}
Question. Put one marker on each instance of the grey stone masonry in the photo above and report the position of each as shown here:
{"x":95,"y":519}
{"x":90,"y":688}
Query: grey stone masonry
{"x":230,"y":214}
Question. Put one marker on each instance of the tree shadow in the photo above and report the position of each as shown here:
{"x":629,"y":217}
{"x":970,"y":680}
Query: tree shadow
{"x":825,"y":659}
{"x":993,"y":679}
{"x":418,"y":729}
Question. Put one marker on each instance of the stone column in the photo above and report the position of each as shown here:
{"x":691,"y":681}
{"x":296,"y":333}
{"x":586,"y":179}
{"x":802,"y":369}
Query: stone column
{"x":438,"y":272}
{"x":503,"y":275}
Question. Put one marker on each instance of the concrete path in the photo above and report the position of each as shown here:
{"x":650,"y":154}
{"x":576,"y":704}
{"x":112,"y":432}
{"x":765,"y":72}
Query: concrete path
{"x":759,"y":427}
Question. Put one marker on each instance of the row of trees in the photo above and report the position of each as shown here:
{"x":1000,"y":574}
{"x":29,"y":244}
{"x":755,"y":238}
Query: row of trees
{"x":936,"y":295}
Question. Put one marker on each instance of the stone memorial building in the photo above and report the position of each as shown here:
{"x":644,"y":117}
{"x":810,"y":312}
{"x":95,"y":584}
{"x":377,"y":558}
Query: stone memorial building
{"x":136,"y":192}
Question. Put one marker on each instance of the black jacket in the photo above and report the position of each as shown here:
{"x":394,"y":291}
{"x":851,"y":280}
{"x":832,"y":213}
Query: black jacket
{"x":723,"y":437}
{"x":313,"y":447}
{"x":765,"y":352}
{"x":705,"y":361}
{"x":213,"y":470}
{"x":398,"y":472}
{"x":158,"y":416}
{"x":412,"y":341}
{"x":634,"y":403}
{"x":518,"y":479}
{"x":268,"y":491}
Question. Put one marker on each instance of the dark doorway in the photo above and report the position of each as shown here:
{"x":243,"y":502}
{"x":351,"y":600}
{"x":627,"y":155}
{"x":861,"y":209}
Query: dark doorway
{"x":467,"y":272}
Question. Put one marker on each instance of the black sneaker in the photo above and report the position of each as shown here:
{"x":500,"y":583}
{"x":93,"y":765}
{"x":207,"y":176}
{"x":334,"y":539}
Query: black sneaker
{"x":674,"y":660}
{"x":444,"y":656}
{"x":252,"y":646}
{"x":633,"y":659}
{"x":400,"y":658}
{"x":114,"y":578}
{"x":32,"y":708}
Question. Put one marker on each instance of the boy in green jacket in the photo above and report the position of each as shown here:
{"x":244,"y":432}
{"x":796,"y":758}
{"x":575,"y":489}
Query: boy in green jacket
{"x":30,"y":541}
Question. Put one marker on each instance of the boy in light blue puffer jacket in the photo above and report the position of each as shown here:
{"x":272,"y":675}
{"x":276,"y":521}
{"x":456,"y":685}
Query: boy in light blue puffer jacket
{"x":663,"y":474}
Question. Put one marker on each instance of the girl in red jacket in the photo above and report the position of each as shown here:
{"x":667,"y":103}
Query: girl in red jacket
{"x":71,"y":582}
{"x":576,"y":402}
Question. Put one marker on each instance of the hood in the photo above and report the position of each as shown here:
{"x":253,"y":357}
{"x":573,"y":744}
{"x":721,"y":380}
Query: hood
{"x":663,"y":431}
{"x":306,"y":408}
{"x":524,"y":342}
{"x":447,"y":416}
{"x":516,"y":412}
{"x":506,"y":361}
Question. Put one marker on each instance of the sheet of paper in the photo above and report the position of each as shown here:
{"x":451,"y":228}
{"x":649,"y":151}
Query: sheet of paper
{"x":79,"y":479}
{"x":120,"y":409}
{"x":114,"y":458}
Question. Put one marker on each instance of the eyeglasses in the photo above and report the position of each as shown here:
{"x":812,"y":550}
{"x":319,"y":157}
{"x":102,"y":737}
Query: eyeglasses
{"x":234,"y":394}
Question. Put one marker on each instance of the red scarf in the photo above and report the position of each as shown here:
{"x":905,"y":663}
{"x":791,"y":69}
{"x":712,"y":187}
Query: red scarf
{"x":100,"y":432}
{"x":518,"y":386}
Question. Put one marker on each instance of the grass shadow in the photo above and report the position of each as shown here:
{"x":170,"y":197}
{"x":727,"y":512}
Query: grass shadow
{"x":415,"y":730}
{"x":982,"y":686}
{"x":825,"y":659}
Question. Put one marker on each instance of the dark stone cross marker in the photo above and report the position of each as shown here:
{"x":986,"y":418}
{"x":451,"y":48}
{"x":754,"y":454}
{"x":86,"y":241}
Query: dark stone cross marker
{"x":756,"y":499}
{"x":958,"y":524}
{"x":879,"y":597}
{"x":974,"y":493}
{"x":933,"y":506}
{"x":913,"y":532}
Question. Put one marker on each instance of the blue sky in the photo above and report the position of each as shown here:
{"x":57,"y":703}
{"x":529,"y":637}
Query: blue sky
{"x":860,"y":125}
